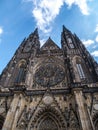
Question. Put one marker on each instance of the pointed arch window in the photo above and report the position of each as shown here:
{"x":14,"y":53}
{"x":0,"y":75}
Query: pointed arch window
{"x":70,"y":43}
{"x":21,"y":74}
{"x":80,"y":71}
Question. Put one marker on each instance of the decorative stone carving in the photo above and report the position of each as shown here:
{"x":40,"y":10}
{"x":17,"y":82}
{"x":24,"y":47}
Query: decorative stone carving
{"x":49,"y":75}
{"x":96,"y":107}
{"x":48,"y":124}
{"x":47,"y":118}
{"x":72,"y":119}
{"x":49,"y":66}
{"x":47,"y":100}
{"x":24,"y":118}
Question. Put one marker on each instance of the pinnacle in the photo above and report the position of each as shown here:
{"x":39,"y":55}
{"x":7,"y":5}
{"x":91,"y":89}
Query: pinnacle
{"x":36,"y":31}
{"x":65,"y":29}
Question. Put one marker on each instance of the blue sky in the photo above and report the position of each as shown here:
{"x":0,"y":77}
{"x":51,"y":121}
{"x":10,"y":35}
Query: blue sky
{"x":18,"y":18}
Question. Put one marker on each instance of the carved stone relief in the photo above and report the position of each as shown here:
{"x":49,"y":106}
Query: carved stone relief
{"x":72,"y":119}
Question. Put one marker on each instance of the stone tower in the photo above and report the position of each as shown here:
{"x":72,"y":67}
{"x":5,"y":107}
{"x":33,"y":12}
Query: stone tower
{"x":48,"y":87}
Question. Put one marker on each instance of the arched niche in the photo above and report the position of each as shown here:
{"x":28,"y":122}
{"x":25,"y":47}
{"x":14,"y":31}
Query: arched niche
{"x":21,"y":73}
{"x":48,"y":122}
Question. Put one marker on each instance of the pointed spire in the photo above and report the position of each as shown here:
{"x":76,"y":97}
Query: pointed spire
{"x":36,"y":31}
{"x":78,"y":42}
{"x":76,"y":37}
{"x":32,"y":42}
{"x":66,"y":30}
{"x":34,"y":37}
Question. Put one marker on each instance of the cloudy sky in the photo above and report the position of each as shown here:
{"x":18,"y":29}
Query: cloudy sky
{"x":18,"y":18}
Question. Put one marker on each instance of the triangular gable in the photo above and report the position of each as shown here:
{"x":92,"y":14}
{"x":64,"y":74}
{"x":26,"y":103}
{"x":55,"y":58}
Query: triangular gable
{"x":50,"y":45}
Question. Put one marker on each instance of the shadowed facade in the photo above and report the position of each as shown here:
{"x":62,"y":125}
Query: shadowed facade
{"x":48,"y":87}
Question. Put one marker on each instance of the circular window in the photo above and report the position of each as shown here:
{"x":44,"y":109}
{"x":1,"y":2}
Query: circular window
{"x":49,"y":75}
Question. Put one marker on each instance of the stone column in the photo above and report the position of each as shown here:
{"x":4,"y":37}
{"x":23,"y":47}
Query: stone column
{"x":19,"y":109}
{"x":11,"y":113}
{"x":83,"y":114}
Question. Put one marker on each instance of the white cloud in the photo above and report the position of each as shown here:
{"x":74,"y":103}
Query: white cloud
{"x":96,"y":29}
{"x":88,"y":42}
{"x":82,"y":4}
{"x":1,"y":30}
{"x":42,"y":41}
{"x":45,"y":11}
{"x":94,"y":46}
{"x":95,"y":53}
{"x":96,"y":38}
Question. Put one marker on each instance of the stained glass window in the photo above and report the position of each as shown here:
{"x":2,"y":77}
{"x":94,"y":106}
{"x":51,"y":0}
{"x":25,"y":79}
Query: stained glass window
{"x":80,"y":70}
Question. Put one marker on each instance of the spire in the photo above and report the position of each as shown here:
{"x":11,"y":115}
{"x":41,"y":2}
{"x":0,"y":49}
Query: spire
{"x":31,"y":42}
{"x":66,"y":38}
{"x":79,"y":42}
{"x":34,"y":37}
{"x":77,"y":38}
{"x":66,"y":30}
{"x":35,"y":33}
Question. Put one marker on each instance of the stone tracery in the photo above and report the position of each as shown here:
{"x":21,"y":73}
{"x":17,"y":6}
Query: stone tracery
{"x":49,"y":74}
{"x":49,"y":116}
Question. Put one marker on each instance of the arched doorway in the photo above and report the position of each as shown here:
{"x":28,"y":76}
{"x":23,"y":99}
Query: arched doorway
{"x":47,"y":119}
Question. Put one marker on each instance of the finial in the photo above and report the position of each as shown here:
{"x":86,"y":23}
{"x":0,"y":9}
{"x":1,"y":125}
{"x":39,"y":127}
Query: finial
{"x":49,"y":37}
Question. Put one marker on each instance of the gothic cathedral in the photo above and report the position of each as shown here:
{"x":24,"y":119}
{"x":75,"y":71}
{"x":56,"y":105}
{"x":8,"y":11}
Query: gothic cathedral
{"x":48,"y":87}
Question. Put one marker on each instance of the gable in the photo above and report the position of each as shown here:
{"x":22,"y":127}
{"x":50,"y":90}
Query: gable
{"x":50,"y":45}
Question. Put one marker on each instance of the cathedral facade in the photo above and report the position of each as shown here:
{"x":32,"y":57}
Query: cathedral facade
{"x":48,"y":87}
